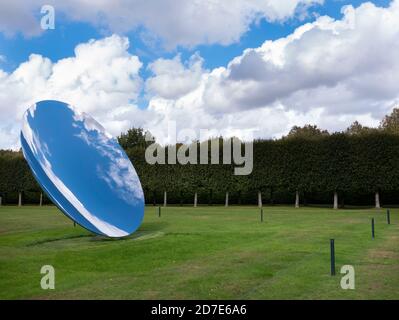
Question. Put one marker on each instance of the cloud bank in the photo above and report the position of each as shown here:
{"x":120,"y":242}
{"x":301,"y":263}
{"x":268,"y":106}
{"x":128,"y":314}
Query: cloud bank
{"x":328,"y":72}
{"x":174,"y":22}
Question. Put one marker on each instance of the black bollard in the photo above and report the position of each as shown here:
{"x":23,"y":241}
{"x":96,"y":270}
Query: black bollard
{"x":332,"y":254}
{"x":388,"y":216}
{"x":261,"y":214}
{"x":372,"y":228}
{"x":159,"y":212}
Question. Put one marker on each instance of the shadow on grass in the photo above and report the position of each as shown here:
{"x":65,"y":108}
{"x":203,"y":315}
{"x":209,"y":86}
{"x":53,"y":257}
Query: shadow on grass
{"x":68,"y":237}
{"x":147,"y":230}
{"x":138,"y":235}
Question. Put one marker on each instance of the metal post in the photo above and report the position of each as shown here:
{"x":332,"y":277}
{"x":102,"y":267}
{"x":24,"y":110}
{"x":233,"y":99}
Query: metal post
{"x":372,"y":228}
{"x":261,"y":214}
{"x":159,"y":212}
{"x":388,"y":216}
{"x":332,"y":254}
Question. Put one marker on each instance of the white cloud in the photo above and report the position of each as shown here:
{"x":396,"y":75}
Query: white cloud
{"x":176,"y":22}
{"x":102,"y":79}
{"x":329,"y":72}
{"x":171,"y":79}
{"x":19,"y":16}
{"x":355,"y":56}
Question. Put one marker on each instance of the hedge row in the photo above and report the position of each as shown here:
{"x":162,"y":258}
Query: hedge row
{"x":354,"y":166}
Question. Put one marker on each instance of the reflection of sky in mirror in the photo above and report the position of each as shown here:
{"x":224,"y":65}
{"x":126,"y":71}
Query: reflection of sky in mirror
{"x":82,"y":168}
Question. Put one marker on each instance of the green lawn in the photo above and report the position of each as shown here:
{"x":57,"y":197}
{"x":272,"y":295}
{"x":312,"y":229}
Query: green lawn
{"x":202,"y":253}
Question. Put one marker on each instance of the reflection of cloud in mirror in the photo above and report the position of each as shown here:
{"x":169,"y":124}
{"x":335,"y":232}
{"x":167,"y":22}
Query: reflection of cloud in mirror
{"x":119,"y":174}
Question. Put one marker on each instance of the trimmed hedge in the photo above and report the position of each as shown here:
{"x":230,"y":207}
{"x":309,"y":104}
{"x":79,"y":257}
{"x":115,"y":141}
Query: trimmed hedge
{"x":356,"y":166}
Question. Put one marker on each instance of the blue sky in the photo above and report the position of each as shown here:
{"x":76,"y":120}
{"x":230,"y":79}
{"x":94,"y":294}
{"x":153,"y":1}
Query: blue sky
{"x":203,"y":64}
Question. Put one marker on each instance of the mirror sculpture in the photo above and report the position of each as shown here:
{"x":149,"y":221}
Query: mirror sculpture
{"x":82,"y":169}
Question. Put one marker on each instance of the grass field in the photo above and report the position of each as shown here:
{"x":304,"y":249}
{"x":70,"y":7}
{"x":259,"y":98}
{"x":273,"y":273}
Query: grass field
{"x":202,"y":253}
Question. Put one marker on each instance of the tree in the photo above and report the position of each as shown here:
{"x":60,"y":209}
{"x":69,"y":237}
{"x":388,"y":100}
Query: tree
{"x":135,"y":138}
{"x":358,"y":129}
{"x":390,"y":123}
{"x":307,"y":131}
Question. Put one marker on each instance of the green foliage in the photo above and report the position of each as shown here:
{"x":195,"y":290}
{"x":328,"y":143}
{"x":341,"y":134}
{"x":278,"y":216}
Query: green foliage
{"x":134,"y":138}
{"x":307,"y":131}
{"x":352,"y":164}
{"x":358,"y":129}
{"x":390,"y":123}
{"x":15,"y":177}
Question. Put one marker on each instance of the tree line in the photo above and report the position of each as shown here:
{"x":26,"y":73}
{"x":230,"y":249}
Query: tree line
{"x":358,"y":166}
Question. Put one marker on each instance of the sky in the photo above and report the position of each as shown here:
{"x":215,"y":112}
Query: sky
{"x":238,"y":67}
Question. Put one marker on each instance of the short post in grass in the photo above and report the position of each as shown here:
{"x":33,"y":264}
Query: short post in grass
{"x":261,"y":214}
{"x":332,"y":257}
{"x":372,"y":228}
{"x":74,"y":224}
{"x":159,"y":212}
{"x":388,"y":216}
{"x":165,"y":198}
